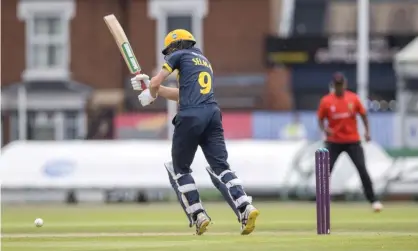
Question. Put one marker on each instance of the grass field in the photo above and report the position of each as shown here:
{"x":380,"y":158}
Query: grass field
{"x":281,"y":226}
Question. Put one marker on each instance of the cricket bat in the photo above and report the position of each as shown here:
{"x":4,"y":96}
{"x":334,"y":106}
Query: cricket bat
{"x":124,"y":46}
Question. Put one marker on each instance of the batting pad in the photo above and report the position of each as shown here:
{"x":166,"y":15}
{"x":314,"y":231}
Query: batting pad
{"x":186,"y":190}
{"x":231,"y":189}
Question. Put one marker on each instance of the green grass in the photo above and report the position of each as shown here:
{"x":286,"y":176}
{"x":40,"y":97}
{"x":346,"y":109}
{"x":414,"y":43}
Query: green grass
{"x":281,"y":226}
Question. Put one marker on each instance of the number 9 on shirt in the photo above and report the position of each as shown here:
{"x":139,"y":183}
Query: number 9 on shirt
{"x":205,"y":82}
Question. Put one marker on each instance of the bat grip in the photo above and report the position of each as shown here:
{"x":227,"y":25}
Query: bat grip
{"x":143,"y":85}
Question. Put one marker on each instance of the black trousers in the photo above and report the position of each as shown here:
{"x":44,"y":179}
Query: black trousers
{"x":201,"y":126}
{"x":356,"y":154}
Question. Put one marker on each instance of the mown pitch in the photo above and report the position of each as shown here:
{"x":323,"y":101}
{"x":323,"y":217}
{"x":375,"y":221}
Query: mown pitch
{"x":281,"y":226}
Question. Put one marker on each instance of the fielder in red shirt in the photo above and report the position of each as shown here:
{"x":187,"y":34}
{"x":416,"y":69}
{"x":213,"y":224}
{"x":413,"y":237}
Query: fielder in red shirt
{"x":340,"y":108}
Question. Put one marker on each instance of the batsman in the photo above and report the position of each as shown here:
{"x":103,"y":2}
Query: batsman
{"x":197,"y":123}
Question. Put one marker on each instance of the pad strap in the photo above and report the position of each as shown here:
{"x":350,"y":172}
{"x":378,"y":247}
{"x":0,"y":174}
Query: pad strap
{"x":223,"y":174}
{"x":241,"y":200}
{"x":187,"y":188}
{"x":234,"y":182}
{"x":193,"y":208}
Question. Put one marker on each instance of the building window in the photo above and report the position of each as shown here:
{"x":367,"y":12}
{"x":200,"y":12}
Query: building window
{"x":41,"y":126}
{"x":179,"y":22}
{"x":47,"y":38}
{"x":47,"y":43}
{"x":185,"y":14}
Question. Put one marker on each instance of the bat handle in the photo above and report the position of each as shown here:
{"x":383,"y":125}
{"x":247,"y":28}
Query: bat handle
{"x":143,"y":85}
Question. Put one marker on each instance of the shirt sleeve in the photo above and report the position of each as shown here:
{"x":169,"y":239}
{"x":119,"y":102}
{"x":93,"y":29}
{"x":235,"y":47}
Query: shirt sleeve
{"x":359,"y":107}
{"x":322,"y":109}
{"x":172,"y":62}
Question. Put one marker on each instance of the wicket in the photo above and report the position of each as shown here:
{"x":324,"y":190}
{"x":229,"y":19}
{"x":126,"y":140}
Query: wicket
{"x":323,"y":202}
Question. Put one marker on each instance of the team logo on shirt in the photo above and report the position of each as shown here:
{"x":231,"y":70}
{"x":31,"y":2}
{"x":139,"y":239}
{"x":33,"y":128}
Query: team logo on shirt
{"x":333,"y":108}
{"x":174,"y":36}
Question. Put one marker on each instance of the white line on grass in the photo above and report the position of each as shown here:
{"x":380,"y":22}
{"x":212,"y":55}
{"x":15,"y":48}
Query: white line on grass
{"x":155,"y":234}
{"x":180,"y":223}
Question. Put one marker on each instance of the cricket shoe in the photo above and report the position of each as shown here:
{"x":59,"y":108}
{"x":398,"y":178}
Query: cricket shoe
{"x":377,"y":206}
{"x":248,"y":218}
{"x":202,"y":222}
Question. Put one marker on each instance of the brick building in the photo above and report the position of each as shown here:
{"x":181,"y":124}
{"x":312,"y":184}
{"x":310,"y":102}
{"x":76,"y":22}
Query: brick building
{"x":62,"y":52}
{"x":64,"y":55}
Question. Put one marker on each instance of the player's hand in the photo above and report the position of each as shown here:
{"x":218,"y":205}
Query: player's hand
{"x":137,"y":81}
{"x":367,"y":136}
{"x":328,"y":132}
{"x":145,"y":98}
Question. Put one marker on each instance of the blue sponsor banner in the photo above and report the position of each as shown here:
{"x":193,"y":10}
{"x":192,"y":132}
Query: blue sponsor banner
{"x":269,"y":125}
{"x":59,"y":168}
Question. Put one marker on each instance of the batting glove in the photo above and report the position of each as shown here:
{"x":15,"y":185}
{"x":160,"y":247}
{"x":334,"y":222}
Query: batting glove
{"x":140,"y":82}
{"x":145,"y":98}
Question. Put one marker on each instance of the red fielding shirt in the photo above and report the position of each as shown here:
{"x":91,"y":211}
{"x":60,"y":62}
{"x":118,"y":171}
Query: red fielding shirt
{"x":341,"y":114}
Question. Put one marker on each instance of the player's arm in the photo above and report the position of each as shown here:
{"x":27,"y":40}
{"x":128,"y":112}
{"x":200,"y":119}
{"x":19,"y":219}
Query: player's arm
{"x":322,"y":115}
{"x":363,"y":114}
{"x":171,"y":63}
{"x":147,"y":96}
{"x":171,"y":93}
{"x":157,"y":80}
{"x":156,"y":86}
